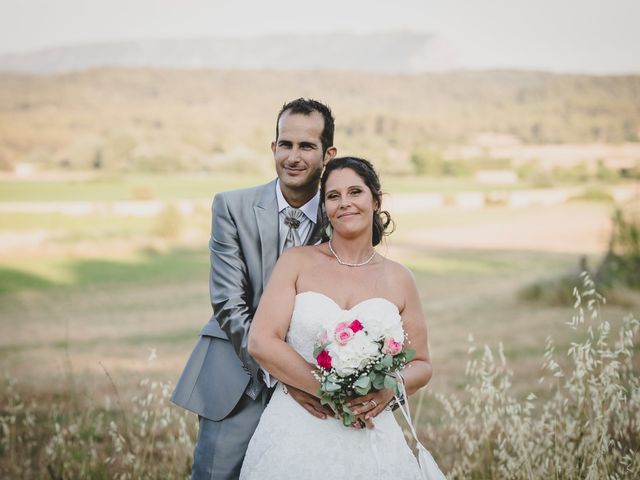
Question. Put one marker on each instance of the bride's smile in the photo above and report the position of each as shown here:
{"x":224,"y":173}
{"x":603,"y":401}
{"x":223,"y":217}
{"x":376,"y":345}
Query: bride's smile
{"x":349,"y":202}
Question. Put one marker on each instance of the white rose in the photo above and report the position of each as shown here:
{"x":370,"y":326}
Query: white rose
{"x":380,"y":327}
{"x":353,"y":356}
{"x":343,"y":359}
{"x":366,"y":347}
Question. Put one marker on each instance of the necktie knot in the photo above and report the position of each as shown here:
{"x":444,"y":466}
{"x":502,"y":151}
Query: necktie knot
{"x":291,"y":222}
{"x":292,"y":218}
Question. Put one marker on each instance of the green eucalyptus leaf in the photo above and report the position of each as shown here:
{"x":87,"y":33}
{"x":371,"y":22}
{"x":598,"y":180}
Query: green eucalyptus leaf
{"x":348,"y":419}
{"x":363,"y":382}
{"x":378,"y":381}
{"x":387,"y":361}
{"x":390,"y":382}
{"x":361,"y":391}
{"x":330,"y":386}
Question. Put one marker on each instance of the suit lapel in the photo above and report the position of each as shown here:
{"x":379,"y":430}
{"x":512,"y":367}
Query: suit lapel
{"x":266,"y":211}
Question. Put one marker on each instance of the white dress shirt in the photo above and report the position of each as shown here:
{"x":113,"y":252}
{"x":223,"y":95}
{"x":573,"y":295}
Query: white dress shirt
{"x":310,"y":210}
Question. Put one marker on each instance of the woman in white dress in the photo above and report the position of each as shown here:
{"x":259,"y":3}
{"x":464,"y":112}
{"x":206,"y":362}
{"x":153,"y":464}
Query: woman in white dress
{"x":309,"y":285}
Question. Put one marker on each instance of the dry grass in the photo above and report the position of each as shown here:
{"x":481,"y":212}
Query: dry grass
{"x":585,"y":425}
{"x":76,"y":434}
{"x":583,"y":422}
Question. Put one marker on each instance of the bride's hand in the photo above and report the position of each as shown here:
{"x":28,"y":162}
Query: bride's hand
{"x":370,"y":405}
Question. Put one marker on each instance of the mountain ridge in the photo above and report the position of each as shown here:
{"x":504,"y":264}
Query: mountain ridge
{"x":393,"y":52}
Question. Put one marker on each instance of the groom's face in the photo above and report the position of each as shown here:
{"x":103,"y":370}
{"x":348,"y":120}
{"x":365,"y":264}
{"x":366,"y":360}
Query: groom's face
{"x":298,"y":151}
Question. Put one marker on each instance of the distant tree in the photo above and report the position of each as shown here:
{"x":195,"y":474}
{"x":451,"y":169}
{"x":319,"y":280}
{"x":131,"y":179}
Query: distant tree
{"x":97,"y":160}
{"x":621,"y":264}
{"x":428,"y":162}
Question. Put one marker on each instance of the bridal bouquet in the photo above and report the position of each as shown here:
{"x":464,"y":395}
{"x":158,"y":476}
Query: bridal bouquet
{"x":358,"y":354}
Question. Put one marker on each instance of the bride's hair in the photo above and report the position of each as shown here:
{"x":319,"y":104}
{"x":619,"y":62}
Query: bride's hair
{"x":382,"y":223}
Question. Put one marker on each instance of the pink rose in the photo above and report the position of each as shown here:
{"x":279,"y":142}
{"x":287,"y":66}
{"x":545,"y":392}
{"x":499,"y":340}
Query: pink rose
{"x":324,"y":336}
{"x":343,"y":333}
{"x":392,"y":347}
{"x":356,"y":326}
{"x":343,"y":336}
{"x":324,"y":360}
{"x":341,"y":326}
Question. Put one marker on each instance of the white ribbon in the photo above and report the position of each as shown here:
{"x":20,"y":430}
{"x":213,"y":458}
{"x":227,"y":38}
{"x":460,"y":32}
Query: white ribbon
{"x":428,"y":466}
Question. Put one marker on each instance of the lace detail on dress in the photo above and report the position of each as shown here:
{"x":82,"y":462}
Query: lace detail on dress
{"x":290,"y":443}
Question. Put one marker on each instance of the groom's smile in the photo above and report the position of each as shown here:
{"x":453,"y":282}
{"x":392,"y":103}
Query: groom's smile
{"x":298,"y":154}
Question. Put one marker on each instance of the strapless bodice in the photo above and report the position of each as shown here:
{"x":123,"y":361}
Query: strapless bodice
{"x":314,"y":312}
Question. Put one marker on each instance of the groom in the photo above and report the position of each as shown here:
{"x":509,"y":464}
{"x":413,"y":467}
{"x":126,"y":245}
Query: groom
{"x":221,"y":382}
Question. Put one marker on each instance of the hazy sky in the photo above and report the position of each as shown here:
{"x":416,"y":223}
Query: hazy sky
{"x":595,"y":36}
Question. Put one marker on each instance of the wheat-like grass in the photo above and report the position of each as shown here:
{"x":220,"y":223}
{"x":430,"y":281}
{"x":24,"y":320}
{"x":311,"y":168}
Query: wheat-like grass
{"x":584,"y":425}
{"x":142,"y":437}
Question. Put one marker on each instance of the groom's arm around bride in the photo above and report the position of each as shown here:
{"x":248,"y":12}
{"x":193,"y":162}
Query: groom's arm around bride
{"x":221,"y":381}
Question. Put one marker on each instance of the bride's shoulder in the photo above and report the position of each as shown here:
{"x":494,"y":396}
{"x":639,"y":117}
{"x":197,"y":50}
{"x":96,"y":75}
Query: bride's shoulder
{"x":398,"y":272}
{"x":300,"y":254}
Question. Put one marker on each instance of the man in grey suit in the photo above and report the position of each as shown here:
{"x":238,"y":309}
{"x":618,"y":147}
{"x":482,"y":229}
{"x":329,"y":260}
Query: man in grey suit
{"x":221,"y":382}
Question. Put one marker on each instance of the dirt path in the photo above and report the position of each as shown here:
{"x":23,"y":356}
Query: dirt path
{"x":572,"y":228}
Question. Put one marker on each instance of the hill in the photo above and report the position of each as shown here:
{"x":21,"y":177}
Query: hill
{"x":392,"y":52}
{"x":154,"y":119}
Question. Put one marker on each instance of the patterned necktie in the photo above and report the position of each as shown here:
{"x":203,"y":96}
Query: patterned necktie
{"x":292,"y":219}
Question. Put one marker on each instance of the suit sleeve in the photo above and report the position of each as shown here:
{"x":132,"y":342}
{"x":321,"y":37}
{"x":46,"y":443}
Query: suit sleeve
{"x":229,"y":283}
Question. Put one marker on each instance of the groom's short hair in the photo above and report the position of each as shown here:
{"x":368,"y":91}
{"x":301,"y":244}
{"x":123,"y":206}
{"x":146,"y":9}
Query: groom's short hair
{"x":306,"y":106}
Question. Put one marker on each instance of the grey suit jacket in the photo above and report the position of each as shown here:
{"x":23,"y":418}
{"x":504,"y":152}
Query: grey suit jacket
{"x":243,"y":250}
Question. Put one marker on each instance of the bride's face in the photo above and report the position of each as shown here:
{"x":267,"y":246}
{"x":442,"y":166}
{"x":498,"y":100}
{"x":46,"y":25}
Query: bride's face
{"x":349,"y":202}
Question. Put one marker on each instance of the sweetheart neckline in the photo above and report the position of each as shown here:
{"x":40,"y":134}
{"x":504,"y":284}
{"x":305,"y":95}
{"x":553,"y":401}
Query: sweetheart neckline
{"x":354,"y":306}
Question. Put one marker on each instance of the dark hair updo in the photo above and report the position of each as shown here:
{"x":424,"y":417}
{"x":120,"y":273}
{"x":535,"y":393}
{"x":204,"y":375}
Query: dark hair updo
{"x":364,"y":169}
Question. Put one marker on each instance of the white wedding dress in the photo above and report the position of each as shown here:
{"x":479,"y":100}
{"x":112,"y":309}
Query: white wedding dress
{"x":290,"y":443}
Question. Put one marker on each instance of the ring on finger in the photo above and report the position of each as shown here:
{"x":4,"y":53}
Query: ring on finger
{"x":375,"y":404}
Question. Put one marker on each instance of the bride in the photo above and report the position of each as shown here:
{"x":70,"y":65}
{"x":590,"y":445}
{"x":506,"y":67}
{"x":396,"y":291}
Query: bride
{"x":309,"y":285}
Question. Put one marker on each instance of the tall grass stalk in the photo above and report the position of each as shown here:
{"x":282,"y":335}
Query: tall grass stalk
{"x":583,"y":424}
{"x":143,"y":437}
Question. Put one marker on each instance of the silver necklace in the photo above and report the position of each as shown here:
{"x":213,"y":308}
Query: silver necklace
{"x":347,"y":264}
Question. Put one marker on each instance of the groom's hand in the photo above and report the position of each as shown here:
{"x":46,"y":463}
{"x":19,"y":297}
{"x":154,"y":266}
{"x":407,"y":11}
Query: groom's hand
{"x":310,"y":403}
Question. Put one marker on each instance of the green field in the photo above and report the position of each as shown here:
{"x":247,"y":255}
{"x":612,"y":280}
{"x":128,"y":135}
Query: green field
{"x":192,"y":186}
{"x":130,"y":187}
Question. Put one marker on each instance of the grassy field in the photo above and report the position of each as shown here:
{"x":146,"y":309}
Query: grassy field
{"x":104,"y":302}
{"x":192,"y":186}
{"x":130,"y":187}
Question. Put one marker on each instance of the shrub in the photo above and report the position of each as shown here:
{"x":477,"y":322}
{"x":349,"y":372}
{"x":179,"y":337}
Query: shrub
{"x":621,"y":265}
{"x":168,"y":223}
{"x":554,"y":292}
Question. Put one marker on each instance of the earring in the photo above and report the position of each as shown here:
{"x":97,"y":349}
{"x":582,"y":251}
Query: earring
{"x":328,"y":230}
